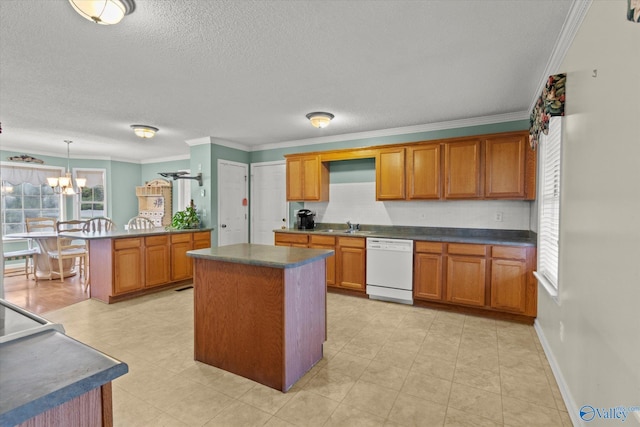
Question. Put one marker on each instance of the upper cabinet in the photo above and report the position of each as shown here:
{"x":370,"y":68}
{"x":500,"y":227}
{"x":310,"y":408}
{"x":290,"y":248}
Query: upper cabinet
{"x":462,"y":169}
{"x":307,"y":178}
{"x":495,"y":166}
{"x":390,"y":171}
{"x":423,"y":172}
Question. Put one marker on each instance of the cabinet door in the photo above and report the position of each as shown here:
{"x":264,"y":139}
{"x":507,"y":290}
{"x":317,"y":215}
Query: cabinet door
{"x":326,"y":242}
{"x":427,"y":278}
{"x":462,"y":170}
{"x":311,"y":179}
{"x":423,"y":172}
{"x":505,"y":167}
{"x":509,"y":285}
{"x":202,"y":240}
{"x":351,"y":263}
{"x":390,"y":174}
{"x":128,"y":261}
{"x":466,"y":280}
{"x":294,"y":179}
{"x":291,"y":239}
{"x":181,"y":264}
{"x":157,"y":261}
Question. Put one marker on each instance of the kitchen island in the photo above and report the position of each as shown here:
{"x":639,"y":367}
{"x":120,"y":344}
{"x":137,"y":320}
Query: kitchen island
{"x":260,"y":311}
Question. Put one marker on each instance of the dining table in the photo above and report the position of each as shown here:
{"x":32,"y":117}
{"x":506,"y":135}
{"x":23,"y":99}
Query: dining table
{"x":47,"y":241}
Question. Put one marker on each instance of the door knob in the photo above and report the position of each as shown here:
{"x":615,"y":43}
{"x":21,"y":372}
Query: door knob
{"x":223,"y":225}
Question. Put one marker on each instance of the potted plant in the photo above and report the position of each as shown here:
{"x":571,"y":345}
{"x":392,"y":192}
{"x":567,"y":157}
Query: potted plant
{"x":186,"y":219}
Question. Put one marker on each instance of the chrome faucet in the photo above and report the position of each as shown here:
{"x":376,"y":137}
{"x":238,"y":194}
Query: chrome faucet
{"x":352,"y":227}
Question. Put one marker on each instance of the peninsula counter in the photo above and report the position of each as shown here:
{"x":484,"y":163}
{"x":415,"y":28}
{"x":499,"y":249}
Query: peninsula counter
{"x":260,"y":311}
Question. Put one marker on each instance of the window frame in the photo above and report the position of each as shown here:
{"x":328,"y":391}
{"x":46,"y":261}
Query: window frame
{"x":77,"y":202}
{"x":550,"y":208}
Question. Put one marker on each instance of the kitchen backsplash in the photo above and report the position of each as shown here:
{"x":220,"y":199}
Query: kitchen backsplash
{"x":357,"y":202}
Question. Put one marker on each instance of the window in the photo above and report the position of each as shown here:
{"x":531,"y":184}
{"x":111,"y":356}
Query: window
{"x":93,"y":201}
{"x":549,"y":207}
{"x":26,"y":194}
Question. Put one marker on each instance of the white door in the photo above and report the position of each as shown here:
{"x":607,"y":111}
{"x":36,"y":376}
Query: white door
{"x":232,"y":203}
{"x":269,"y":207}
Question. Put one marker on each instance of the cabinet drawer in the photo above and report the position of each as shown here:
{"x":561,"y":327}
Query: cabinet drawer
{"x":429,"y":247}
{"x":126,"y":243}
{"x":180,"y":238}
{"x":291,"y":238}
{"x":509,"y":252}
{"x":351,"y":242}
{"x":156,"y":240}
{"x":201,"y":236}
{"x":322,"y":240}
{"x":467,"y":249}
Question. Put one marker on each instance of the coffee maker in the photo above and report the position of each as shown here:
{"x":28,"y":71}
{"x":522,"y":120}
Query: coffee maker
{"x":306,"y":219}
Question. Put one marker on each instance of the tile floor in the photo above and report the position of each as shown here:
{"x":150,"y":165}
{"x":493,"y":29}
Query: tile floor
{"x":384,"y":365}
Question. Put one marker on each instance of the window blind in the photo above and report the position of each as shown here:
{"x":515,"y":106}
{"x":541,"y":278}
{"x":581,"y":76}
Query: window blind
{"x":549,"y":232}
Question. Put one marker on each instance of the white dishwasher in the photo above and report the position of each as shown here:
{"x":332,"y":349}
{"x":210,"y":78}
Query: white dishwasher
{"x":390,"y":270}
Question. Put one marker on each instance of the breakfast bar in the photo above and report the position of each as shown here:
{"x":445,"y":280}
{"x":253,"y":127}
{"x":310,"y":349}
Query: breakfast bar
{"x":260,"y":311}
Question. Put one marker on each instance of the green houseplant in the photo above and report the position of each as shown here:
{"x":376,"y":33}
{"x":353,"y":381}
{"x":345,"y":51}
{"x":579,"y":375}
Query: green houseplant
{"x":185,"y":219}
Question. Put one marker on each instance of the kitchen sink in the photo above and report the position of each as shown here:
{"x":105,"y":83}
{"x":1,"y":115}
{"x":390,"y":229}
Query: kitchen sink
{"x":330,"y":230}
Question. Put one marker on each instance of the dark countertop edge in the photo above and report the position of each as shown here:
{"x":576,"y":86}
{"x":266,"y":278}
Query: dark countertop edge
{"x":208,"y":254}
{"x":432,"y":234}
{"x":120,"y":234}
{"x":30,"y":409}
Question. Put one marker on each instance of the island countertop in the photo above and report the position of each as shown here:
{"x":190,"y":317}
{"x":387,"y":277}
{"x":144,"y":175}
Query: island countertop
{"x":262,"y":255}
{"x":120,"y":234}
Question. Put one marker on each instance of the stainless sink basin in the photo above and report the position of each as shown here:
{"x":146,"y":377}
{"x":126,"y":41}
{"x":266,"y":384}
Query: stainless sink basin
{"x":330,"y":230}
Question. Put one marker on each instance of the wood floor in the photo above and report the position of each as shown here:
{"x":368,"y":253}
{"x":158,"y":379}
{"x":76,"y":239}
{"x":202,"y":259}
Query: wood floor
{"x":43,"y":296}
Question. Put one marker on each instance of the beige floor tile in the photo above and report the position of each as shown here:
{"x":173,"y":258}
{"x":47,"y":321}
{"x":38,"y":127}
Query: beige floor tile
{"x":363,"y":347}
{"x":520,"y":413}
{"x":199,"y":407}
{"x":458,"y":418}
{"x":385,"y":375}
{"x":166,"y":420}
{"x":427,"y":387}
{"x":129,"y":410}
{"x":241,"y":415}
{"x":391,"y":355}
{"x":566,"y":419}
{"x":331,"y":384}
{"x":434,"y":366}
{"x":530,"y":388}
{"x":480,"y":402}
{"x":266,"y":398}
{"x":278,"y":422}
{"x":307,"y":409}
{"x":349,"y":364}
{"x":347,"y":416}
{"x":371,"y":398}
{"x":477,"y":377}
{"x":481,"y":359}
{"x":411,"y":411}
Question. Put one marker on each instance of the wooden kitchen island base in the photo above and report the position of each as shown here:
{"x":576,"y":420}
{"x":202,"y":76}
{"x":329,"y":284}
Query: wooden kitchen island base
{"x":262,"y":315}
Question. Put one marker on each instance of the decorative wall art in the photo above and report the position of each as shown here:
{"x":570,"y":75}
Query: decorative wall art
{"x":550,"y":103}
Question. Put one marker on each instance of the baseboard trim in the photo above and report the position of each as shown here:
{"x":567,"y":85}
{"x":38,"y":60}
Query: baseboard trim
{"x":572,"y":408}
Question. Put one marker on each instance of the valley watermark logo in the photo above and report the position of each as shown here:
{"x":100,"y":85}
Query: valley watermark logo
{"x":620,"y":413}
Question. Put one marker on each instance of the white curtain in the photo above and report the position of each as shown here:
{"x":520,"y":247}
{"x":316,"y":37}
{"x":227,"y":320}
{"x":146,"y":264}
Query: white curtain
{"x":16,"y":175}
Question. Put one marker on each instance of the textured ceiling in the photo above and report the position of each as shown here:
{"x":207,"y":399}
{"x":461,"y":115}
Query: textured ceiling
{"x":247,"y":72}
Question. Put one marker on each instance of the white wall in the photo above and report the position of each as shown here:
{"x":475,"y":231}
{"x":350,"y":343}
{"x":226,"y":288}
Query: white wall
{"x":597,"y":361}
{"x":357,"y":202}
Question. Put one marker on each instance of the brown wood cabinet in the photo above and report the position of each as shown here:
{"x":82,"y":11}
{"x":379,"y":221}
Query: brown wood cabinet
{"x":423,"y":172}
{"x":294,"y":240}
{"x":128,"y":259}
{"x":307,"y":178}
{"x":466,"y":274}
{"x":509,"y":279}
{"x":317,"y":241}
{"x":351,"y":264}
{"x":390,"y":174}
{"x":157,"y":256}
{"x":427,"y":271}
{"x":505,"y":167}
{"x":462,"y":169}
{"x":181,"y":264}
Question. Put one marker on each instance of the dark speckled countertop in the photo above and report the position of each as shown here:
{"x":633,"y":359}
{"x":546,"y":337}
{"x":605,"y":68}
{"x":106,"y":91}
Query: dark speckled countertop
{"x":262,"y":255}
{"x":434,"y":234}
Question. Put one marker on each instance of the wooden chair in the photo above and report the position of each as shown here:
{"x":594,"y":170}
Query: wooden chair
{"x":99,"y":224}
{"x":35,"y":224}
{"x":140,"y":223}
{"x":41,"y":224}
{"x":68,"y":248}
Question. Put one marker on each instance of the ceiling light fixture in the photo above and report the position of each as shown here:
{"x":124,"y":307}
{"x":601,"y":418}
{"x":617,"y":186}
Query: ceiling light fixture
{"x":64,"y":184}
{"x":144,"y":131}
{"x":319,"y":119}
{"x":104,"y":12}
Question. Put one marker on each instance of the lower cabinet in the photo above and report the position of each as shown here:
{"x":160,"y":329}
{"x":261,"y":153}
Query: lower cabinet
{"x":128,"y":259}
{"x":427,"y":271}
{"x":326,"y":242}
{"x":509,"y":276}
{"x":294,"y":240}
{"x":157,"y":265}
{"x":351,"y":264}
{"x":181,"y":264}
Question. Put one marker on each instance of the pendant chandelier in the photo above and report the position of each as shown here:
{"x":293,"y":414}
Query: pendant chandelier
{"x":64,"y":184}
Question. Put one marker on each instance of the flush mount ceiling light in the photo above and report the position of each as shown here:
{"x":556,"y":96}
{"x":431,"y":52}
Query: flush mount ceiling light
{"x":104,"y":12}
{"x":319,"y":119}
{"x":144,"y":131}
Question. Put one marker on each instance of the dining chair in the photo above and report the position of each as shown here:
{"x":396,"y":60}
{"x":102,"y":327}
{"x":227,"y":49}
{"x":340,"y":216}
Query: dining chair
{"x":99,"y":224}
{"x":140,"y":223}
{"x":68,"y":248}
{"x":37,"y":224}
